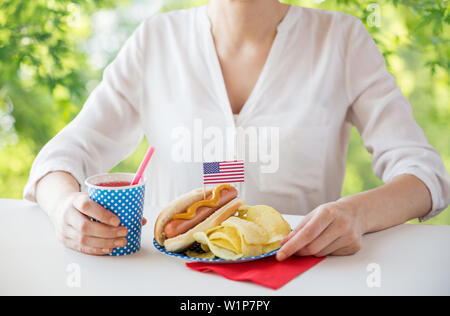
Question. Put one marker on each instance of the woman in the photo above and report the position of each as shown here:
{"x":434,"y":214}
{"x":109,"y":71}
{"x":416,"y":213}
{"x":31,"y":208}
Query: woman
{"x":311,"y":74}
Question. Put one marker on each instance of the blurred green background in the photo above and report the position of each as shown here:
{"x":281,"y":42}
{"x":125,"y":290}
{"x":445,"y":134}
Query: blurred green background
{"x":53,"y":52}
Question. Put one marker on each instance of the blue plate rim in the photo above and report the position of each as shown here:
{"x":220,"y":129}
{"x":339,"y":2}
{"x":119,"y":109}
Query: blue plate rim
{"x":161,"y":249}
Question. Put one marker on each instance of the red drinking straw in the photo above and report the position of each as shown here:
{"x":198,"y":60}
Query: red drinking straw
{"x":143,"y":165}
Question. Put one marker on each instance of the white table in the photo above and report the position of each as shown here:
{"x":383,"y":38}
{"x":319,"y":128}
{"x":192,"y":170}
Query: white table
{"x":413,"y":259}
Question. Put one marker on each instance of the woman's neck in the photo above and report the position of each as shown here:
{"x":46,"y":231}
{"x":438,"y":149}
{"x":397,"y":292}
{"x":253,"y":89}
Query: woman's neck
{"x":240,"y":22}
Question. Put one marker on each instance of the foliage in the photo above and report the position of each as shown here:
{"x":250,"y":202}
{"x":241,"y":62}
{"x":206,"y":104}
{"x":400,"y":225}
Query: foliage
{"x":44,"y":73}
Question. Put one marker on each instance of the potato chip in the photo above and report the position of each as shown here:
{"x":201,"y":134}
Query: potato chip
{"x":220,"y":252}
{"x":221,"y":239}
{"x":268,"y":218}
{"x":205,"y":247}
{"x":199,"y":255}
{"x":242,"y":211}
{"x":223,"y":243}
{"x":211,"y":230}
{"x":229,"y":234}
{"x":252,"y":237}
{"x":271,"y":247}
{"x":252,"y":233}
{"x":251,"y":250}
{"x":256,"y":230}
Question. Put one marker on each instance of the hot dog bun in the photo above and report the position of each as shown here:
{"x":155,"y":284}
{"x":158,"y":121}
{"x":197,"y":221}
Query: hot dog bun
{"x":179,"y":205}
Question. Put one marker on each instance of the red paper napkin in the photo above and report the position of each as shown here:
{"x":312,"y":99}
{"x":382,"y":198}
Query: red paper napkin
{"x":267,"y":272}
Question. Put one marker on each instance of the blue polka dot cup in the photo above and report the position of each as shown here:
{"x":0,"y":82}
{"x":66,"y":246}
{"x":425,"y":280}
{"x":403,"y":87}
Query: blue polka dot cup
{"x":127,"y":202}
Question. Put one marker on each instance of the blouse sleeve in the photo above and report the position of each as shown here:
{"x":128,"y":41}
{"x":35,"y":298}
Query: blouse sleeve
{"x":383,"y":117}
{"x":106,"y":130}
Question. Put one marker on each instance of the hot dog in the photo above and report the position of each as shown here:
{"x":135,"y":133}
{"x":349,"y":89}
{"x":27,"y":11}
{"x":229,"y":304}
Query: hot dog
{"x":179,"y":226}
{"x":191,"y":213}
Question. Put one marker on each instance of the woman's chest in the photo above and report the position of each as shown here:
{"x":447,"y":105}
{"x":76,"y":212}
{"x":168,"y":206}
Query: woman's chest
{"x":298,"y":99}
{"x":283,"y":132}
{"x":306,"y":92}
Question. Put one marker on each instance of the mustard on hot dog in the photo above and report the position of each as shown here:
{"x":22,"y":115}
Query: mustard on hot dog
{"x":212,"y":202}
{"x":202,"y":210}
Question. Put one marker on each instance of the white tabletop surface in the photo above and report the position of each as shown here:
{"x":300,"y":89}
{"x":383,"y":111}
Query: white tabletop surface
{"x":412,"y":259}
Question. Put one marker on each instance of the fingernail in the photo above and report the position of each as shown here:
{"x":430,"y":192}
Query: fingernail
{"x":281,"y":256}
{"x":115,"y":221}
{"x":106,"y":250}
{"x":120,"y":243}
{"x":122,"y":233}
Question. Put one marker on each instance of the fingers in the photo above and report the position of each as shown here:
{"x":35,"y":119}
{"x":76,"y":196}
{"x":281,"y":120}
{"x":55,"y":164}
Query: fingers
{"x":94,"y":242}
{"x":348,"y":250}
{"x":76,"y":229}
{"x":85,"y":227}
{"x":328,"y":237}
{"x":331,"y":229}
{"x":74,"y":245}
{"x":316,"y":225}
{"x":302,"y":224}
{"x":332,"y":247}
{"x":90,"y":208}
{"x":349,"y":241}
{"x":82,"y":234}
{"x":343,"y":246}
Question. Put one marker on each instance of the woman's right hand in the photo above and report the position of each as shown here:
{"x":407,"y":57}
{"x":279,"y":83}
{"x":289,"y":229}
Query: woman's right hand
{"x":76,"y":230}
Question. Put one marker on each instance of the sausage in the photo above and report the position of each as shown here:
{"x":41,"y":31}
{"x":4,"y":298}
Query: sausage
{"x":179,"y":226}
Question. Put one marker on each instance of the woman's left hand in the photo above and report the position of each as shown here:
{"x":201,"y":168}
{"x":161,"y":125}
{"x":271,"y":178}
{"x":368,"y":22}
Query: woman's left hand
{"x":331,"y":229}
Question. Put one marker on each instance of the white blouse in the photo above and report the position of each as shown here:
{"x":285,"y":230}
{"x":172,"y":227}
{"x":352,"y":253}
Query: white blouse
{"x":323,"y":75}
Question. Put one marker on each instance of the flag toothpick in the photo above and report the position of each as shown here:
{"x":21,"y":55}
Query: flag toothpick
{"x":223,"y":172}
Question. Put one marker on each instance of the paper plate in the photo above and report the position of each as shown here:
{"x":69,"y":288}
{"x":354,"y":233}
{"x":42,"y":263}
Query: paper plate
{"x":196,"y":247}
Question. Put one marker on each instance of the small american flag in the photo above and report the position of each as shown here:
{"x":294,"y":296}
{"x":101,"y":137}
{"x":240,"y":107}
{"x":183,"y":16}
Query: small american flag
{"x":223,"y":172}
